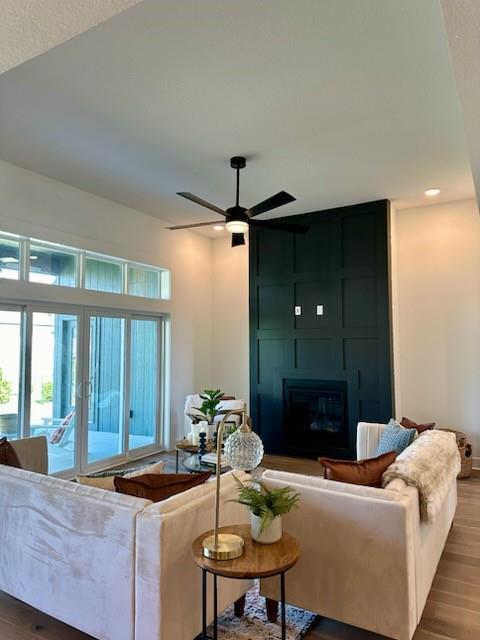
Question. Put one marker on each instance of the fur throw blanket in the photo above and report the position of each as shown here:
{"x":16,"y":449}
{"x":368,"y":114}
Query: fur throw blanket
{"x":430,"y":463}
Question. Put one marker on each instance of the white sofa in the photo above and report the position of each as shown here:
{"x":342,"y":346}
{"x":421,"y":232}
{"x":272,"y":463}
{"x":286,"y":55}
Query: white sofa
{"x":367,"y":559}
{"x":111,"y":565}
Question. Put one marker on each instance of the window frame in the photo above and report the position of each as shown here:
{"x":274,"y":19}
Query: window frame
{"x":81,"y":256}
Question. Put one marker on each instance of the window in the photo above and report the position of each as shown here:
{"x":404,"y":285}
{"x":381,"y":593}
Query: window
{"x":143,"y":282}
{"x":10,"y":371}
{"x":48,"y":263}
{"x":90,"y":381}
{"x":103,"y":275}
{"x":50,"y":266}
{"x":9,"y":258}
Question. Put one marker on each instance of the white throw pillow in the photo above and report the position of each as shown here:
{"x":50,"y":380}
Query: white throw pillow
{"x":107,"y":482}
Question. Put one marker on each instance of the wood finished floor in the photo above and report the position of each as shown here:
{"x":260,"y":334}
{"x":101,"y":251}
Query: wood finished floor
{"x":452,"y":611}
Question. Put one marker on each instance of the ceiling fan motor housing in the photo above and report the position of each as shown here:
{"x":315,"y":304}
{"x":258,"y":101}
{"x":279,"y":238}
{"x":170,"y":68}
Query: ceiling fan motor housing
{"x":236,"y":213}
{"x":238,"y":162}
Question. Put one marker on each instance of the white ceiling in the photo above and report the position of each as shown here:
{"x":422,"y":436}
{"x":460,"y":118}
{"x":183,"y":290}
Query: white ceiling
{"x":462,"y":21}
{"x":31,"y":27}
{"x":334,"y":101}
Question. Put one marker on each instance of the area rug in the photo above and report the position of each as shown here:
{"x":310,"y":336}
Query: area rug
{"x":254,"y":624}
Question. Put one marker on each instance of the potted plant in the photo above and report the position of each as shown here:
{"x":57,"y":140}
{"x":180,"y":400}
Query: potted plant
{"x":211,"y":399}
{"x":267,"y":507}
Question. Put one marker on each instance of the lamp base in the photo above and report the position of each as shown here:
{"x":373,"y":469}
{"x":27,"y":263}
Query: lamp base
{"x":229,"y":547}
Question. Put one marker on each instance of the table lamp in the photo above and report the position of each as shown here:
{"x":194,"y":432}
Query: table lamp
{"x":243,"y":450}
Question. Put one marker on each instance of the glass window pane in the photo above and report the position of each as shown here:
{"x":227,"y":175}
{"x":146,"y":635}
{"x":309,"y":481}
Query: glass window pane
{"x":143,"y":282}
{"x":143,"y":383}
{"x":10,"y":341}
{"x":52,"y":266}
{"x":105,"y":388}
{"x":53,"y":381}
{"x":102,"y":275}
{"x":9,"y":258}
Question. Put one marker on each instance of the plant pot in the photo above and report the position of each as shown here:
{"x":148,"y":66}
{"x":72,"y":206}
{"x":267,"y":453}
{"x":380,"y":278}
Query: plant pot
{"x":272,"y":533}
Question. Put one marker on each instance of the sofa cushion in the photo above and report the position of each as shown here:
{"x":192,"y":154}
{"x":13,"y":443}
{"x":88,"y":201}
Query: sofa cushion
{"x":410,"y":424}
{"x":159,"y":487}
{"x":395,"y":438}
{"x":8,"y":455}
{"x":105,"y":480}
{"x":365,"y":472}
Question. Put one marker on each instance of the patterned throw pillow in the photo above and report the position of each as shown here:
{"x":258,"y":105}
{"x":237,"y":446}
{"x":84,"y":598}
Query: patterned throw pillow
{"x":395,"y":438}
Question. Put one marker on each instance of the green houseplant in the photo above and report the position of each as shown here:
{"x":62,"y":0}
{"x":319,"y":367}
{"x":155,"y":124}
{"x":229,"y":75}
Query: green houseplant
{"x":267,"y":507}
{"x":211,"y":399}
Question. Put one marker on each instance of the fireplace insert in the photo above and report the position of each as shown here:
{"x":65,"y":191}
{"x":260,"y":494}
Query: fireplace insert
{"x":315,"y":414}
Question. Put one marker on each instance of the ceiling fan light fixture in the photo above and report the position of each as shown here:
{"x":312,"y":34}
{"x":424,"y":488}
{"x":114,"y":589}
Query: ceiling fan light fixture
{"x":236,"y":226}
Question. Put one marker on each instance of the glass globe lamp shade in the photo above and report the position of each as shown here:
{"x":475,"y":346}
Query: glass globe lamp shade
{"x":243,"y":449}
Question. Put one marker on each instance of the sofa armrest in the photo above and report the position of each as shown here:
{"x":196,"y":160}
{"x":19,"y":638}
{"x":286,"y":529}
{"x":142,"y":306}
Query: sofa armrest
{"x":368,"y":437}
{"x":168,"y":582}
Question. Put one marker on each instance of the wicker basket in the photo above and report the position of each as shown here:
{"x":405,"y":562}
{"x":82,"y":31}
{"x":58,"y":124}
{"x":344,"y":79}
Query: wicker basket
{"x":465,"y":450}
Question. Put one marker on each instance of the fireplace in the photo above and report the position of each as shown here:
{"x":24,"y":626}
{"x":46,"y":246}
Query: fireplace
{"x":316,"y":412}
{"x":312,"y":412}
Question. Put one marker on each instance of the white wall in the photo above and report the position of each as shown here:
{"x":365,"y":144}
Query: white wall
{"x":438,"y":305}
{"x":36,"y":206}
{"x":230,"y":319}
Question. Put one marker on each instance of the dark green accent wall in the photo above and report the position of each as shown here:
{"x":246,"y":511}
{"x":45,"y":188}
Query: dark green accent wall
{"x":342,"y":264}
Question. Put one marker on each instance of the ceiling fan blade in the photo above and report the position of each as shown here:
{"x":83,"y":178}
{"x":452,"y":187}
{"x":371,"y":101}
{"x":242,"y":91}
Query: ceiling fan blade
{"x":190,"y":226}
{"x":278,"y":200}
{"x":238,"y":239}
{"x":279,"y":226}
{"x":197,"y":200}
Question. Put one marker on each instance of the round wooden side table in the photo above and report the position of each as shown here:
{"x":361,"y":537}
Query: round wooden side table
{"x":257,"y":561}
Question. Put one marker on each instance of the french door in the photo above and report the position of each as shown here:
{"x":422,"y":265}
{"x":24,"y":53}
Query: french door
{"x":90,"y":381}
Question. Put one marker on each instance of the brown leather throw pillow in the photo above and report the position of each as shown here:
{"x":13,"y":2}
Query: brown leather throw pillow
{"x":410,"y":424}
{"x":366,"y":472}
{"x":158,"y":487}
{"x":8,"y":455}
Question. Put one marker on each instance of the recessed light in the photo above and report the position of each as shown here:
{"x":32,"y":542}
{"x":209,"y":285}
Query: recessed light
{"x":432,"y":192}
{"x":218,"y":227}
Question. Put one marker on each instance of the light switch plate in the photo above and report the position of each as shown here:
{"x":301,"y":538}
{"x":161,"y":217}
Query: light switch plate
{"x":319,"y":309}
{"x":298,"y":310}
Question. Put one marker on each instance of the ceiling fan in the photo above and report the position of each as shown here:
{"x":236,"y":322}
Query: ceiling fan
{"x":238,"y":219}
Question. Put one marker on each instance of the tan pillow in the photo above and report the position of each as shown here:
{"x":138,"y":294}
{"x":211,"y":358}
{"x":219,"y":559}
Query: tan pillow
{"x":159,"y":487}
{"x":107,"y":482}
{"x":366,"y":472}
{"x":410,"y":424}
{"x":8,"y":455}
